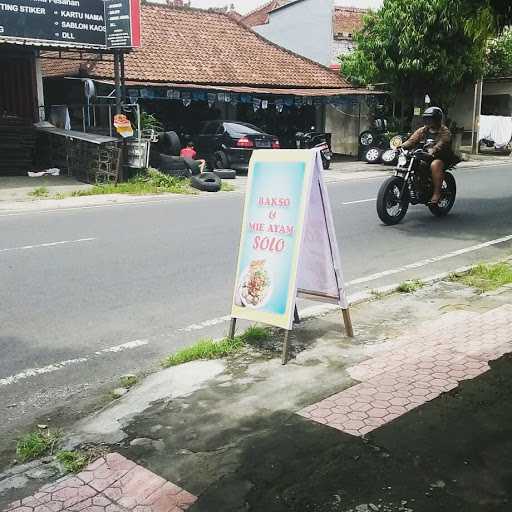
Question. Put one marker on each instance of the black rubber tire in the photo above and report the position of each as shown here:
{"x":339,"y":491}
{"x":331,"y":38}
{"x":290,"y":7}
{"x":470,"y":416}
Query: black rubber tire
{"x":386,"y":188}
{"x":172,"y":143}
{"x":206,"y":182}
{"x":326,"y":163}
{"x":225,"y":174}
{"x":451,"y":187}
{"x":220,"y":160}
{"x":366,"y":134}
{"x":372,"y":151}
{"x":194,"y":166}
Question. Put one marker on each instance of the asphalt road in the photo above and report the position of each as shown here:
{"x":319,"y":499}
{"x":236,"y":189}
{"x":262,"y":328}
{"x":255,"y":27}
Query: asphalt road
{"x":120,"y":287}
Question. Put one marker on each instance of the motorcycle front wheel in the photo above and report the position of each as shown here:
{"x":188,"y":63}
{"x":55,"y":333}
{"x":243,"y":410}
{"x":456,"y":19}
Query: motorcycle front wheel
{"x":448,"y":194}
{"x":390,"y":208}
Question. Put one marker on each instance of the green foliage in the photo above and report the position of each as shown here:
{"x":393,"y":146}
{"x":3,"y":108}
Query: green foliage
{"x":39,"y":192}
{"x":499,"y":56}
{"x":151,"y":181}
{"x":410,"y":286}
{"x":487,"y":277}
{"x":36,"y":444}
{"x":73,"y":461}
{"x":150,"y":122}
{"x":421,"y":47}
{"x":211,"y":349}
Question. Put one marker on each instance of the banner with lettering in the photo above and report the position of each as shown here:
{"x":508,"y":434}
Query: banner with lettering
{"x":278,"y":192}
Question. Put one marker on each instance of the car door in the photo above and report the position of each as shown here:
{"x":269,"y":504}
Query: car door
{"x":206,"y":141}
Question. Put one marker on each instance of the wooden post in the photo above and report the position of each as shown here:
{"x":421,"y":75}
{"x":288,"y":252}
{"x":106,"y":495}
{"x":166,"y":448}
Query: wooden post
{"x":232,"y":329}
{"x":286,"y":347}
{"x":348,"y":323}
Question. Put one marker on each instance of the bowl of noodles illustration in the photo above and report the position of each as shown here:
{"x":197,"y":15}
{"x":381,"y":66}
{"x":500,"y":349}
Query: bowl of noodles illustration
{"x":255,"y":285}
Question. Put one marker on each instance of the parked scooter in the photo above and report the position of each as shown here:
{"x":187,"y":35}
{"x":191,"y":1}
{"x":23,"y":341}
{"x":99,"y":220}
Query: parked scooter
{"x":316,"y":140}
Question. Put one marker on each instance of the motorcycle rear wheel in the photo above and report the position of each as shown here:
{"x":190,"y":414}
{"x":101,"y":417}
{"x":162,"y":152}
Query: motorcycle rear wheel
{"x":390,"y":208}
{"x":449,"y":192}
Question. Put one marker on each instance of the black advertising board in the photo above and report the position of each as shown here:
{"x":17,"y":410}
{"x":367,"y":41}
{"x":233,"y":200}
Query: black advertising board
{"x":122,"y":20}
{"x":77,"y":23}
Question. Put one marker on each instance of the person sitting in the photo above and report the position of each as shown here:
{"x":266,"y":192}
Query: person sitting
{"x":190,"y":152}
{"x":441,"y":151}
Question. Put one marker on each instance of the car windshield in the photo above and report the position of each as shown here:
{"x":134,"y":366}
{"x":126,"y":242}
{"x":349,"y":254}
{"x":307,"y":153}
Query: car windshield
{"x":238,"y":129}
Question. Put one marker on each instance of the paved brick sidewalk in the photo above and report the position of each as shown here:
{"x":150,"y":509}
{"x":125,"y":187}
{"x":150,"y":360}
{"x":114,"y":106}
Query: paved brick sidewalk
{"x":406,"y":376}
{"x":110,"y":484}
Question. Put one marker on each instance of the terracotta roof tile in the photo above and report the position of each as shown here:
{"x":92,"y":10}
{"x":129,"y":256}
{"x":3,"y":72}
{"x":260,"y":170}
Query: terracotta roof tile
{"x":203,"y":47}
{"x":347,"y":20}
{"x":260,"y":15}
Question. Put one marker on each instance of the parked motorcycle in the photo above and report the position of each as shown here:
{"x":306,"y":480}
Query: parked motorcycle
{"x":314,"y":140}
{"x":412,"y":184}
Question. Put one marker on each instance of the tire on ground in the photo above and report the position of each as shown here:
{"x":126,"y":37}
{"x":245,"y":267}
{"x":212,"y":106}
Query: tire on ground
{"x":206,"y":182}
{"x":220,"y":160}
{"x":225,"y":174}
{"x":171,"y":142}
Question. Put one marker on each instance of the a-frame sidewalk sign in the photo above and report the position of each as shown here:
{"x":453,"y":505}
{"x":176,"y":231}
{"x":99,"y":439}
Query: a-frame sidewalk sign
{"x":288,"y":246}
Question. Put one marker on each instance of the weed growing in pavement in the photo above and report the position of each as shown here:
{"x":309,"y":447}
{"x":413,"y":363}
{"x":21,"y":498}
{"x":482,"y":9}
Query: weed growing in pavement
{"x":128,"y":381}
{"x":486,"y":277}
{"x":39,"y":192}
{"x":227,"y":187}
{"x":377,"y":294}
{"x":410,"y":286}
{"x":151,"y":181}
{"x":73,"y":461}
{"x":59,"y":195}
{"x":211,"y":349}
{"x":36,"y":444}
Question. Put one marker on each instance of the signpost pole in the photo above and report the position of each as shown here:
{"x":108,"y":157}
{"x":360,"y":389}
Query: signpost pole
{"x":117,"y":79}
{"x":286,"y":347}
{"x":232,"y":328}
{"x":348,"y":323}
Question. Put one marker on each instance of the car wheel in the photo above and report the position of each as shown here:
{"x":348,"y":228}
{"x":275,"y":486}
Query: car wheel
{"x":373,"y":155}
{"x":366,"y":138}
{"x":389,"y":156}
{"x":225,"y":174}
{"x":220,"y":160}
{"x":206,"y":182}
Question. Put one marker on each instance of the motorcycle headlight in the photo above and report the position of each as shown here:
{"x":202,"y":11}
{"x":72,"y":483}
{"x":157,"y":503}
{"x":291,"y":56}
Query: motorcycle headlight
{"x":395,"y":142}
{"x":402,"y":161}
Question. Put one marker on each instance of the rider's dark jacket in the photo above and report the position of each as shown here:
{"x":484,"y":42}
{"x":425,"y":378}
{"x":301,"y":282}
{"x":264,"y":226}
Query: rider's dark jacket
{"x":442,"y":137}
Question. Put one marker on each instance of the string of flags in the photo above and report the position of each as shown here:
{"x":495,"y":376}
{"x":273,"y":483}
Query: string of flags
{"x":215,"y":98}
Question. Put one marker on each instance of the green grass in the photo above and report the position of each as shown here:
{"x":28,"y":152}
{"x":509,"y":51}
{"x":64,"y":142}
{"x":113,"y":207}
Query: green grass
{"x":39,"y":192}
{"x":36,"y":444}
{"x":59,"y":195}
{"x":73,"y":461}
{"x":410,"y":286}
{"x":150,"y":182}
{"x":210,"y":349}
{"x":128,"y":381}
{"x":486,"y":277}
{"x":227,"y":187}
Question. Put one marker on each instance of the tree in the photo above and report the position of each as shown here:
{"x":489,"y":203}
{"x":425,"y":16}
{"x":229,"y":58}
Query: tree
{"x":499,"y":56}
{"x":421,"y":47}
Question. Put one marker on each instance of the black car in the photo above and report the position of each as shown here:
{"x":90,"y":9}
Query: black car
{"x":229,"y":144}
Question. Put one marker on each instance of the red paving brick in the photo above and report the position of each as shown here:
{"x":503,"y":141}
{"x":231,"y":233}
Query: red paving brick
{"x":415,"y":369}
{"x":110,"y":484}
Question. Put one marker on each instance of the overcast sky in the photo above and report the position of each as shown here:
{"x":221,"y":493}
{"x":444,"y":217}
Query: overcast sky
{"x":244,"y":6}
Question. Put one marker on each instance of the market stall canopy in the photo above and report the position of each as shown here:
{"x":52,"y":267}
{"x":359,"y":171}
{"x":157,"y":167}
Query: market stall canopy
{"x":191,"y":47}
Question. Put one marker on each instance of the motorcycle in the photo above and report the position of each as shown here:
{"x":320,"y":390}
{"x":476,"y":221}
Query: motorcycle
{"x":314,"y":140}
{"x":412,"y":184}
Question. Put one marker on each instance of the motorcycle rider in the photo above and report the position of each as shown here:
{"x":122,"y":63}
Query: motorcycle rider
{"x":441,"y":151}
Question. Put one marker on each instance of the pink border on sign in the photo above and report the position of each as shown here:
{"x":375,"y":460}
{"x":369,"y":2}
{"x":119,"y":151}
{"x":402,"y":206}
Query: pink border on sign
{"x":135,"y":20}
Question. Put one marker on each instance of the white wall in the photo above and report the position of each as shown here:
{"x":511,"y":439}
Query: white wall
{"x":304,"y":28}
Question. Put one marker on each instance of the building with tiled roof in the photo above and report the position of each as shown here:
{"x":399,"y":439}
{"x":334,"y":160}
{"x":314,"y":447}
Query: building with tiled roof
{"x":199,"y":47}
{"x":260,"y":15}
{"x":194,"y":64}
{"x":346,"y":22}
